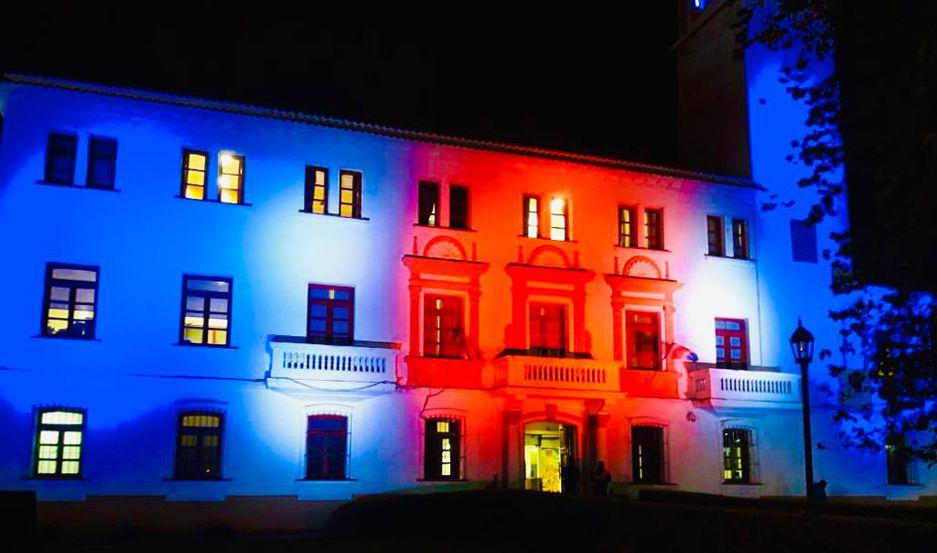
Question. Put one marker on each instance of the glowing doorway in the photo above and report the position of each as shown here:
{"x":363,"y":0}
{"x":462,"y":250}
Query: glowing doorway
{"x":550,"y":457}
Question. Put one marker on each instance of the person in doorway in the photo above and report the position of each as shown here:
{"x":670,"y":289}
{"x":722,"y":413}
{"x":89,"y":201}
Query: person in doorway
{"x":601,"y":479}
{"x":570,"y":476}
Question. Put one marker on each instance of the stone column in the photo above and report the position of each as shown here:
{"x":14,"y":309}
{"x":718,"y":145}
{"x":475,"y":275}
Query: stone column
{"x":414,"y":319}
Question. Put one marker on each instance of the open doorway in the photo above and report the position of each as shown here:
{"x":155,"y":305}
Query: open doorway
{"x":550,"y":457}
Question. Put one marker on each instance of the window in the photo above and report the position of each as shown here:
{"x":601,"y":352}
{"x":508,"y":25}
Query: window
{"x":626,"y":228}
{"x":653,"y":229}
{"x":59,"y":439}
{"x":458,"y":207}
{"x":429,"y":204}
{"x":330,"y":317}
{"x":803,"y":241}
{"x":699,"y":5}
{"x":647,"y":454}
{"x":559,"y":219}
{"x":731,"y":344}
{"x":531,"y":217}
{"x":194,"y":168}
{"x":71,"y":298}
{"x":198,"y":449}
{"x":443,"y":334}
{"x":349,"y":194}
{"x":736,"y":455}
{"x":897,"y":461}
{"x":548,"y":329}
{"x":230,"y":178}
{"x":740,"y":239}
{"x":206,"y":310}
{"x":715,"y":235}
{"x":643,"y":336}
{"x":102,"y":163}
{"x":442,"y":459}
{"x":317,"y":190}
{"x":326,"y":447}
{"x":60,"y":158}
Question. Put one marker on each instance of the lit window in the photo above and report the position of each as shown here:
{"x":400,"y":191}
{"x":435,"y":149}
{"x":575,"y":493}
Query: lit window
{"x":736,"y":455}
{"x":59,"y":441}
{"x":317,"y":190}
{"x":443,"y":334}
{"x":429,"y":204}
{"x":331,"y":313}
{"x":326,"y":447}
{"x":349,"y":194}
{"x":442,"y":459}
{"x":647,"y":454}
{"x":643,"y":340}
{"x":70,"y":301}
{"x":206,"y":310}
{"x":194,"y":168}
{"x":653,"y":229}
{"x":715,"y":235}
{"x":60,"y":158}
{"x":198,"y":446}
{"x":626,"y":228}
{"x":230,"y":178}
{"x":102,"y":162}
{"x":740,"y":239}
{"x":699,"y":5}
{"x":731,"y":344}
{"x":559,"y":219}
{"x":531,"y":220}
{"x":458,"y":207}
{"x":547,"y":329}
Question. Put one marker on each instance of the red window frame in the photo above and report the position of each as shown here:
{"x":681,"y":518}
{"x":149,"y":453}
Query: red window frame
{"x":654,"y":228}
{"x":731,"y":338}
{"x":548,"y":329}
{"x":642,"y":329}
{"x":326,"y":447}
{"x":715,"y":235}
{"x":334,"y":305}
{"x":443,"y":326}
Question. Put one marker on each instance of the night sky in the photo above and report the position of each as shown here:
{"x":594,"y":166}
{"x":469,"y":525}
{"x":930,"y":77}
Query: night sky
{"x":599,"y":83}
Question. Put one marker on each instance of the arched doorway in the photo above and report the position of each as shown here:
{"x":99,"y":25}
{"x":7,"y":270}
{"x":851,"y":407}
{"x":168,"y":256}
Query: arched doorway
{"x":551,"y":457}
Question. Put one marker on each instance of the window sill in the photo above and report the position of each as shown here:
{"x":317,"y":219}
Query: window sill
{"x":173,"y":479}
{"x":77,"y":186}
{"x":730,"y":257}
{"x":324,"y":481}
{"x":56,"y":478}
{"x":212,"y":201}
{"x":352,"y":344}
{"x":76,"y":338}
{"x":545,"y":239}
{"x":209,"y":346}
{"x":336,"y":215}
{"x":440,"y":227}
{"x":643,"y":249}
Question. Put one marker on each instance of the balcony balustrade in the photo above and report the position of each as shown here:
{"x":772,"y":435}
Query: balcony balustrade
{"x":734,"y":385}
{"x":360,"y":362}
{"x":556,"y":373}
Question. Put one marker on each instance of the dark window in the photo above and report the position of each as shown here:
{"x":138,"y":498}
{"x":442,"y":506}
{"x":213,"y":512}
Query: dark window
{"x":715,"y":235}
{"x":331,"y":314}
{"x":626,"y":228}
{"x":654,"y":229}
{"x":206,"y":310}
{"x":643,"y":339}
{"x":803,"y":241}
{"x":429,"y":204}
{"x":442,"y":459}
{"x":647,"y":454}
{"x":59,"y":441}
{"x":740,"y":239}
{"x":731,"y":344}
{"x":897,"y":460}
{"x":230,"y":178}
{"x":736,"y":455}
{"x":326,"y":447}
{"x":530,"y":220}
{"x":548,"y":329}
{"x":459,"y":207}
{"x":60,"y":158}
{"x":70,"y":303}
{"x":198,"y":448}
{"x":443,"y":334}
{"x":349,"y":194}
{"x":317,"y":190}
{"x":194,"y":170}
{"x":102,"y":162}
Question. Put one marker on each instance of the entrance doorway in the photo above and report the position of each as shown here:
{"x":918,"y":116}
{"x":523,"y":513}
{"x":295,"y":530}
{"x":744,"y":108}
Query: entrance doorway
{"x":550,"y":457}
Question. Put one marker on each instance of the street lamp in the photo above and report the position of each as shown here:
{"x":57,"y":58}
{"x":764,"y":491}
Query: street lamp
{"x":802,"y":348}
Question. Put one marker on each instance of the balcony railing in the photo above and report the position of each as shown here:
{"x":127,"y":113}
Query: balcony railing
{"x":358,"y":362}
{"x":558,"y":373}
{"x":726,"y":384}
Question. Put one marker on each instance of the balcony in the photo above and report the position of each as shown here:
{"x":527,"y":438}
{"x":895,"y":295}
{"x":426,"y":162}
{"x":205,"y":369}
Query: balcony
{"x":556,"y":373}
{"x":332,"y":366}
{"x":744,"y":386}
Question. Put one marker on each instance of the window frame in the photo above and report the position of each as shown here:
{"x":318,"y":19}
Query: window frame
{"x":89,"y":169}
{"x":345,"y":434}
{"x":242,"y":171}
{"x":636,"y":466}
{"x":356,"y":192}
{"x":180,"y":418}
{"x":186,"y":152}
{"x":741,"y":242}
{"x":47,"y":176}
{"x":544,"y":351}
{"x":39,"y":427}
{"x":728,"y":334}
{"x":442,"y":345}
{"x":206,"y":310}
{"x":658,"y":233}
{"x":526,"y":213}
{"x":330,"y":305}
{"x":631,"y":343}
{"x":47,"y":299}
{"x":632,"y":234}
{"x":717,"y":248}
{"x":429,"y":191}
{"x":432,"y":464}
{"x":467,"y":216}
{"x":745,"y":457}
{"x":564,"y":217}
{"x":309,"y":190}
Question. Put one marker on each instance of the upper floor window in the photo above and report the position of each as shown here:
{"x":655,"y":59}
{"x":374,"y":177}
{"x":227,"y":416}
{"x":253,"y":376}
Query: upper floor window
{"x":626,"y":228}
{"x":316,"y":190}
{"x":559,"y":219}
{"x":547,"y":329}
{"x":230,"y":178}
{"x":102,"y":162}
{"x":58,"y":445}
{"x":731,"y":343}
{"x":70,"y":305}
{"x":736,"y":455}
{"x":443,"y":334}
{"x":331,"y":312}
{"x":198,"y":446}
{"x":897,"y":460}
{"x":326,"y":447}
{"x":206,"y":310}
{"x":647,"y":454}
{"x":653,"y":229}
{"x":349,"y":194}
{"x":715,"y":235}
{"x":803,"y":241}
{"x":531,"y":217}
{"x":429,"y":204}
{"x":443,"y":450}
{"x":458,"y":207}
{"x":642,"y":330}
{"x":740,"y":245}
{"x":699,"y":5}
{"x":194,"y":170}
{"x":60,"y":158}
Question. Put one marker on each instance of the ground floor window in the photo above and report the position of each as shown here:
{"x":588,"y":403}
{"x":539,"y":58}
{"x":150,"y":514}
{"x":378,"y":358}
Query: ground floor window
{"x":326,"y":447}
{"x":550,"y":458}
{"x":59,"y":440}
{"x":736,"y":455}
{"x":443,"y":450}
{"x":198,"y":446}
{"x":647,"y":454}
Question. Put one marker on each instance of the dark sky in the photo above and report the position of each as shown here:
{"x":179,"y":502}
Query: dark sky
{"x":600,"y":83}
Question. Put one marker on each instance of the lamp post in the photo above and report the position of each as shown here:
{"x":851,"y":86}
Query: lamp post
{"x":802,"y":348}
